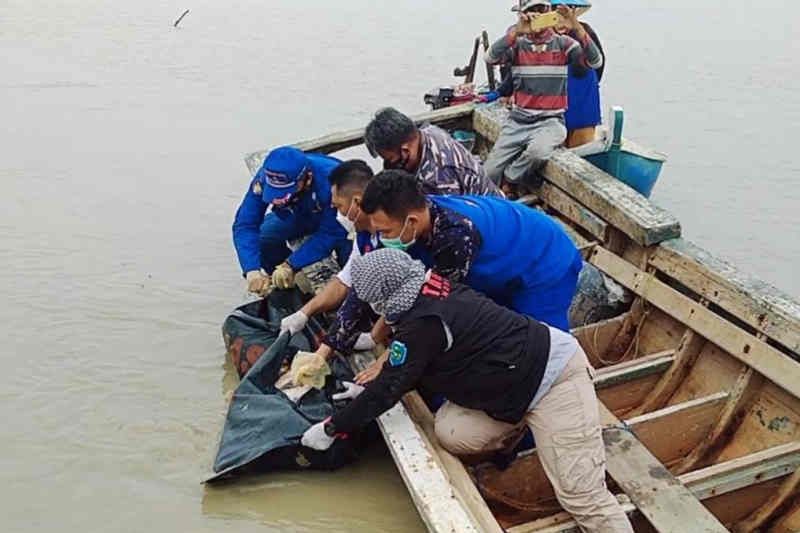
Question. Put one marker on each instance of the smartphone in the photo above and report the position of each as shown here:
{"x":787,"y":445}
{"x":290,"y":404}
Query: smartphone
{"x":546,"y":20}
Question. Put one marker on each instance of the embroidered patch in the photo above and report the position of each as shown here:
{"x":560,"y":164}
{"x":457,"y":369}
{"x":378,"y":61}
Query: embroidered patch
{"x":397,"y":353}
{"x":257,"y":190}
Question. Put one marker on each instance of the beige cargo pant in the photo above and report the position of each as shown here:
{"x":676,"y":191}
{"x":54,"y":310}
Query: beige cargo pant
{"x":566,"y":426}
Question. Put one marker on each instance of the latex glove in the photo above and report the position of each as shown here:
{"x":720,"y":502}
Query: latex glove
{"x":283,"y":276}
{"x":316,"y":438}
{"x":257,"y":282}
{"x":364,"y":343}
{"x":351,"y":391}
{"x":294,"y":322}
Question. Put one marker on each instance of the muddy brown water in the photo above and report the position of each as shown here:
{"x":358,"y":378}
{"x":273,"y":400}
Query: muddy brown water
{"x":121,"y":169}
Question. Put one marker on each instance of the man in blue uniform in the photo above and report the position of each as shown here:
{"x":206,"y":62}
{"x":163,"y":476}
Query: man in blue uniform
{"x":519,"y":257}
{"x":294,"y":185}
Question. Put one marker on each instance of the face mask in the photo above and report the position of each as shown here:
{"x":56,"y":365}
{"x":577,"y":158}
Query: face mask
{"x":397,"y":243}
{"x":399,"y":164}
{"x":344,"y":220}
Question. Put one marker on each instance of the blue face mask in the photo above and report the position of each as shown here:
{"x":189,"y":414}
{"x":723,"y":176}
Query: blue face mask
{"x":397,"y":242}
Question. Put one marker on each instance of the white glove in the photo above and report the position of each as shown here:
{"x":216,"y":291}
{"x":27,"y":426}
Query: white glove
{"x":257,"y":282}
{"x":294,"y":322}
{"x":316,"y":438}
{"x":364,"y":343}
{"x":351,"y":392}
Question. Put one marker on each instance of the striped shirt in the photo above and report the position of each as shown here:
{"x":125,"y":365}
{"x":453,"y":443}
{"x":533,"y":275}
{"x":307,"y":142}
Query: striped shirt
{"x":447,"y":167}
{"x":539,"y":70}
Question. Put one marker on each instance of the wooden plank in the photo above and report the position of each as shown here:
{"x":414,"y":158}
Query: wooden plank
{"x":572,"y":210}
{"x":688,"y":350}
{"x":752,"y":351}
{"x":736,"y":397}
{"x":778,"y":498}
{"x":428,"y":482}
{"x":672,"y":432}
{"x":666,"y":503}
{"x":446,"y":117}
{"x":724,"y":478}
{"x":606,"y":196}
{"x":751,"y":300}
{"x":648,"y":365}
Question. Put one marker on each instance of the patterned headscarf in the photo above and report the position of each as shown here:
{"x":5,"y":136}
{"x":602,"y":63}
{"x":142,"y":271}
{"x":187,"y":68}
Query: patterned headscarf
{"x":389,"y":278}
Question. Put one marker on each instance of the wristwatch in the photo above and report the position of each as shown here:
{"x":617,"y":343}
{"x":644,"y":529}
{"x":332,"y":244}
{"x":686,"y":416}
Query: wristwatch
{"x":330,"y":429}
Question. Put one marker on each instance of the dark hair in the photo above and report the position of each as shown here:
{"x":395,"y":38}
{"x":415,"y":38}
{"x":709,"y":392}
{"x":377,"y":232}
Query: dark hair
{"x":387,"y":130}
{"x":396,"y":192}
{"x":351,"y":175}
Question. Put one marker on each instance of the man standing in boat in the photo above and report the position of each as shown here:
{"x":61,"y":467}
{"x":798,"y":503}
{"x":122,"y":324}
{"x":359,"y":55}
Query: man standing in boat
{"x":539,"y":60}
{"x":499,"y":370}
{"x":441,"y":164}
{"x":294,"y":187}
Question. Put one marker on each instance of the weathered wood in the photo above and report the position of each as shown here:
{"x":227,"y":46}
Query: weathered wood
{"x":656,"y":363}
{"x":736,"y":396}
{"x":765,"y":359}
{"x":572,"y":210}
{"x":429,"y":483}
{"x":595,"y":338}
{"x":641,"y":476}
{"x":446,"y":117}
{"x":756,"y":519}
{"x":685,"y":355}
{"x":738,"y":475}
{"x":789,"y":522}
{"x":751,"y":300}
{"x":606,"y":196}
{"x":672,"y":432}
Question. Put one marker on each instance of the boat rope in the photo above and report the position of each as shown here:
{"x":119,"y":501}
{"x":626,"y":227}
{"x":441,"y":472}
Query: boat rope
{"x":633,"y":344}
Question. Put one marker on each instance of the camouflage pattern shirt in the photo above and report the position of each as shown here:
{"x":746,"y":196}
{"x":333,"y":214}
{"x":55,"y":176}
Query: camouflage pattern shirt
{"x":447,"y":167}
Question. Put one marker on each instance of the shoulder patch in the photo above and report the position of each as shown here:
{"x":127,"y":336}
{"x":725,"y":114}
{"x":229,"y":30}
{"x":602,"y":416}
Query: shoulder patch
{"x":397,"y":353}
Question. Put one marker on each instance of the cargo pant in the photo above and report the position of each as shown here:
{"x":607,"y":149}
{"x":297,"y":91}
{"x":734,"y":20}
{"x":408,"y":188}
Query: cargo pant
{"x":566,"y":426}
{"x":524,"y":147}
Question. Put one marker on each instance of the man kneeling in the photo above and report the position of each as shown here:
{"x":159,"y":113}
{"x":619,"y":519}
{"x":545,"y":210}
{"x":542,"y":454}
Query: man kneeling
{"x":498,"y":369}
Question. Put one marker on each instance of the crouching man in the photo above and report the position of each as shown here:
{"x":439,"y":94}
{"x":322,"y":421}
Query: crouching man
{"x":498,"y":369}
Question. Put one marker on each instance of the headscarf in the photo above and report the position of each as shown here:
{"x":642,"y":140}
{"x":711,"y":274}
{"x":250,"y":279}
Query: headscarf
{"x":389,"y":277}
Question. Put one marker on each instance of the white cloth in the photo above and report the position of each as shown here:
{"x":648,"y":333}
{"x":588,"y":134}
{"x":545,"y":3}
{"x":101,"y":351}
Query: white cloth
{"x":344,"y":274}
{"x":562,"y":347}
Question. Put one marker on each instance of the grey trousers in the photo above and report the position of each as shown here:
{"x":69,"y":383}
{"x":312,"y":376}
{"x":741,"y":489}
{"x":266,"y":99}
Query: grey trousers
{"x":523,"y":147}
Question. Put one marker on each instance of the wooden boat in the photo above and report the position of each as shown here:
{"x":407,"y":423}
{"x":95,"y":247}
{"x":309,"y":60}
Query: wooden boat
{"x":699,"y":380}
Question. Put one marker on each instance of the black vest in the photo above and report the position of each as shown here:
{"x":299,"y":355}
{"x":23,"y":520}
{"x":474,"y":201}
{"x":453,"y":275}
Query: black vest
{"x":497,"y":356}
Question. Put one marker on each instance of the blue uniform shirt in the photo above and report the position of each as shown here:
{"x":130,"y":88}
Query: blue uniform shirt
{"x":497,"y":246}
{"x":312,"y":210}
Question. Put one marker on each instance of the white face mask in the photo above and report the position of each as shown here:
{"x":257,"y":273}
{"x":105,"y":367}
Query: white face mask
{"x":344,"y":220}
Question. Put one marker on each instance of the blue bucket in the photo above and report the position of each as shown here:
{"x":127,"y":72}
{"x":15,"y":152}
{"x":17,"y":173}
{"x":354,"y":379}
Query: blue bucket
{"x":635,"y":166}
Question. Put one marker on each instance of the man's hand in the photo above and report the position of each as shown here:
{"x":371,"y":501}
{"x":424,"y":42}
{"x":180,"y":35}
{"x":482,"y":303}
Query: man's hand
{"x":257,"y":282}
{"x":523,"y":25}
{"x":364,"y":343}
{"x":351,"y":392}
{"x":570,"y":16}
{"x":283,"y":276}
{"x":294,"y":322}
{"x":316,"y":438}
{"x":373,"y":370}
